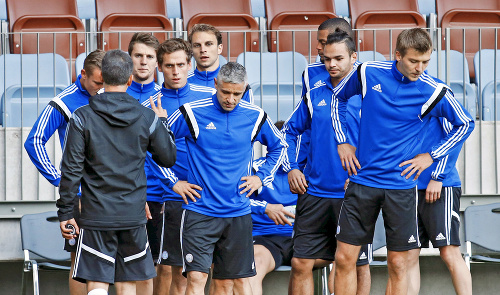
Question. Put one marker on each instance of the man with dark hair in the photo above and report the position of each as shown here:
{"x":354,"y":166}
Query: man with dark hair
{"x":216,"y":227}
{"x":206,"y":42}
{"x":320,"y":193}
{"x":98,"y":153}
{"x":142,"y":49}
{"x":56,"y":116}
{"x":399,"y":99}
{"x":328,"y":27}
{"x":174,"y":56}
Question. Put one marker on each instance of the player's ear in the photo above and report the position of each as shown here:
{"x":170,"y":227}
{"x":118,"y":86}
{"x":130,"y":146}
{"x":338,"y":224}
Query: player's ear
{"x":129,"y":82}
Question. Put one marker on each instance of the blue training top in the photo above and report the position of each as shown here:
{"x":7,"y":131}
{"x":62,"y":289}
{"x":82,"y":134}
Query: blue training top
{"x":395,"y":111}
{"x":171,"y":100}
{"x":55,"y":116}
{"x":220,"y":145}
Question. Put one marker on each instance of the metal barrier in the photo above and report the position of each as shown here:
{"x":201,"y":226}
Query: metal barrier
{"x":276,"y":84}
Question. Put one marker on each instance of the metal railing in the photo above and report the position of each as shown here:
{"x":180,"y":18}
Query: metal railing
{"x":277,"y":88}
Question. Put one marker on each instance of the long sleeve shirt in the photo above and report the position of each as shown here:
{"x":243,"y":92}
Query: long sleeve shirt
{"x":220,"y":145}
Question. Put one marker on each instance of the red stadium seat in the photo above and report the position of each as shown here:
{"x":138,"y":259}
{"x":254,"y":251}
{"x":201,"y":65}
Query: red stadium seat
{"x":61,"y":31}
{"x":370,"y":15}
{"x":128,"y":17}
{"x":233,"y":17}
{"x":297,"y":15}
{"x":462,"y":14}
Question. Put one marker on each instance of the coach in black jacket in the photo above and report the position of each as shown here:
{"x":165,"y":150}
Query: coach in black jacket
{"x":105,"y":150}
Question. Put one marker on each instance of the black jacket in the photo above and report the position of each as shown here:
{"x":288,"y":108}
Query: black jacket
{"x":105,"y":149}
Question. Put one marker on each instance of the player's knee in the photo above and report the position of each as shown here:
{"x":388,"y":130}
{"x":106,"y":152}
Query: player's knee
{"x":450,"y":254}
{"x":300,"y":265}
{"x":397,"y":263}
{"x":197,"y":278}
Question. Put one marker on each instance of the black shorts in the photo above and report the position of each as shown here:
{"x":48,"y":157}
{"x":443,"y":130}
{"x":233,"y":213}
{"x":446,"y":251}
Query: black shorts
{"x":361,"y":207}
{"x":365,"y":255}
{"x":227,"y":242}
{"x":154,"y":228}
{"x":280,"y":247}
{"x":315,"y":227}
{"x":70,"y":245}
{"x":439,"y":222}
{"x":171,"y":252}
{"x":113,"y":256}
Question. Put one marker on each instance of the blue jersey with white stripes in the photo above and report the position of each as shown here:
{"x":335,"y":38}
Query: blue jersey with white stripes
{"x":278,"y":192}
{"x":220,"y":145}
{"x":142,"y":92}
{"x":395,"y":112}
{"x":171,"y":100}
{"x":55,"y":116}
{"x":324,"y":172}
{"x":203,"y":78}
{"x":444,"y":170}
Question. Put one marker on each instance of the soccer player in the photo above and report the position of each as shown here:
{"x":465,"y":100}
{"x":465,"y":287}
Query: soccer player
{"x":398,"y":100}
{"x":206,"y":43}
{"x":438,"y":212}
{"x":216,"y":225}
{"x":321,"y":191}
{"x":142,"y":49}
{"x":174,"y":57}
{"x":98,"y":153}
{"x":56,"y":116}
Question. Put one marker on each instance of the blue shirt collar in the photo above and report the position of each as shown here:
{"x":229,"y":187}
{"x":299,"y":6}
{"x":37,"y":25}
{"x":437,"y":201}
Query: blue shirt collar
{"x":398,"y":75}
{"x":219,"y":107}
{"x":206,"y":75}
{"x":139,"y":88}
{"x":79,"y":85}
{"x":175,"y":92}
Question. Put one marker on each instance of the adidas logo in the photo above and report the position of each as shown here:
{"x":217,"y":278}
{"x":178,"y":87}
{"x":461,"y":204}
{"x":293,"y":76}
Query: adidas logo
{"x":211,"y":126}
{"x":440,"y":237}
{"x":362,"y":256}
{"x":322,"y":103}
{"x":377,"y":88}
{"x":412,"y":239}
{"x":318,"y":84}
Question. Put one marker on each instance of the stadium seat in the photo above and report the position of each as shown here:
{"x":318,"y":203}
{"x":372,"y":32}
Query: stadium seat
{"x":369,"y":17}
{"x":233,"y":18}
{"x":297,"y":15}
{"x":481,"y":225}
{"x":484,"y":67}
{"x":118,"y":20}
{"x":29,"y":88}
{"x":459,"y":14}
{"x":61,"y":30}
{"x":279,"y":83}
{"x":41,"y":236}
{"x":457,"y":80}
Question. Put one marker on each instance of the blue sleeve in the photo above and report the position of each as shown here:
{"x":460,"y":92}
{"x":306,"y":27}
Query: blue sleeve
{"x":258,"y":206}
{"x":353,"y":119}
{"x":303,"y":149}
{"x":165,"y":175}
{"x":272,"y":138}
{"x":299,"y":121}
{"x":447,"y":164}
{"x":462,"y":122}
{"x":351,"y":86}
{"x":45,"y":126}
{"x":178,"y":124}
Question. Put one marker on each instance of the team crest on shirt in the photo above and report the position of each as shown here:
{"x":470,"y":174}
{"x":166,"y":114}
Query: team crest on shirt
{"x":189,"y":258}
{"x":164,"y":255}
